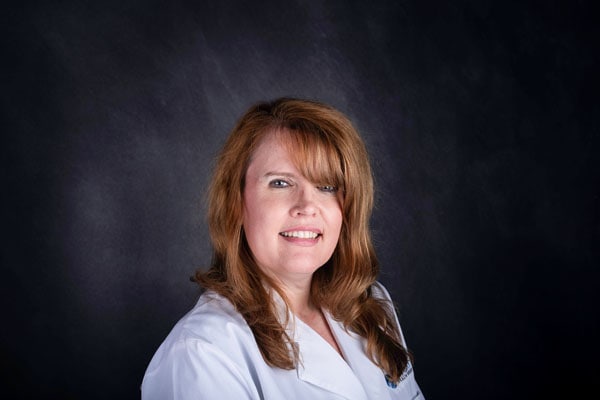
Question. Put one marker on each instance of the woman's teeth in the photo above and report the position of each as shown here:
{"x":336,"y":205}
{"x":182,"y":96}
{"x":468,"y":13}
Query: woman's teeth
{"x":300,"y":234}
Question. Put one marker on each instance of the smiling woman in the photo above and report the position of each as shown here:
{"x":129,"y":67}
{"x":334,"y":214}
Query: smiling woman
{"x":292,"y":308}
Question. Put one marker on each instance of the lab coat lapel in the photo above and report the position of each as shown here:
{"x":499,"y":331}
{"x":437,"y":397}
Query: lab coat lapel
{"x":322,"y":366}
{"x":353,"y":347}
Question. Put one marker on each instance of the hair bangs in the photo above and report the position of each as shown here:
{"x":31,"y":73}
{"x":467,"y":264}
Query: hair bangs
{"x":316,"y":157}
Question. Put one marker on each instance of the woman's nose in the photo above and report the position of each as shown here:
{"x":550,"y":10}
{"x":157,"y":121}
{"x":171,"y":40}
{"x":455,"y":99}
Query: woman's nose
{"x":304,"y":204}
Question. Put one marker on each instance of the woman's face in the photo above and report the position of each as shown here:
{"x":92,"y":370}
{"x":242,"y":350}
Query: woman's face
{"x":292,"y":225}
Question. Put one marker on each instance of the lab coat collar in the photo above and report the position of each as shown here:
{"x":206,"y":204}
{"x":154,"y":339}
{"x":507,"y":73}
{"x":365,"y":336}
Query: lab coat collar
{"x":353,"y":347}
{"x":321,"y":365}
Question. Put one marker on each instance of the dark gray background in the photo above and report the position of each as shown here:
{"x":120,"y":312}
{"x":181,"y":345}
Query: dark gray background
{"x":481,"y":118}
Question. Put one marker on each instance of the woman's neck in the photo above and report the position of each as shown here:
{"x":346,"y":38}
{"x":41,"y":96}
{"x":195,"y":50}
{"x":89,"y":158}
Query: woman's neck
{"x":299,"y":299}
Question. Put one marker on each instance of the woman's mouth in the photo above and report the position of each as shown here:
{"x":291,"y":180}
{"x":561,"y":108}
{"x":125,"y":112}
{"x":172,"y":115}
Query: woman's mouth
{"x":300,"y":234}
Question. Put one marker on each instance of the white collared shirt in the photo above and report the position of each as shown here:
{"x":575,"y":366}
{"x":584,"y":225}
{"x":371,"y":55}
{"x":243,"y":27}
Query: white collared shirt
{"x":211,"y":353}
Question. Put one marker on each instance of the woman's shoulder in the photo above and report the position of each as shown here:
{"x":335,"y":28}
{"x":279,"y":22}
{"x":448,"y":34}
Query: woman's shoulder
{"x":204,"y":333}
{"x":207,"y":349}
{"x":213,"y":319}
{"x":380,"y":292}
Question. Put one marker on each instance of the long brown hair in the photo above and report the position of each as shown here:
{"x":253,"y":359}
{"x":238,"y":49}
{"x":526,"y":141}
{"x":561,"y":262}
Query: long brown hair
{"x":326,"y":148}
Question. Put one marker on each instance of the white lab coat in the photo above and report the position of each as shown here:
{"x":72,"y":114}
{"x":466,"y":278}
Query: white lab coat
{"x":211,"y":354}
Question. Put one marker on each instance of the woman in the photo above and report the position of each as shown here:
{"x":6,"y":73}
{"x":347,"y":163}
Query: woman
{"x":292,"y":309}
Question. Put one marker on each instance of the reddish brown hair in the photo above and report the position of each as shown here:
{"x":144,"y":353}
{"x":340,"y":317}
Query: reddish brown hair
{"x":326,"y":148}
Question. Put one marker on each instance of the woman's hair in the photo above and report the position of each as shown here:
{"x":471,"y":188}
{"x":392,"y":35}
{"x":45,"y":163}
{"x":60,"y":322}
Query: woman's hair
{"x":325,"y":147}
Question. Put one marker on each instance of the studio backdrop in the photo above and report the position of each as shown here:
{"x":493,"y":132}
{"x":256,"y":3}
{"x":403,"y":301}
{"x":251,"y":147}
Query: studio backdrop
{"x":481,"y":119}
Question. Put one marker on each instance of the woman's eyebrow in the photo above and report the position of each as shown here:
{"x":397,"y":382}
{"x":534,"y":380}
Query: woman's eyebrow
{"x":275,"y":173}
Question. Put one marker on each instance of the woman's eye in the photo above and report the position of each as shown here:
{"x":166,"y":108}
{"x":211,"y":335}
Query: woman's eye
{"x":327,"y":188}
{"x":278,"y":183}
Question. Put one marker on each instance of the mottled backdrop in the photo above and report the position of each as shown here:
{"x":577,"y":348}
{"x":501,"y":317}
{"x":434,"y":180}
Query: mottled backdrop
{"x":482,"y":119}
